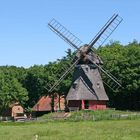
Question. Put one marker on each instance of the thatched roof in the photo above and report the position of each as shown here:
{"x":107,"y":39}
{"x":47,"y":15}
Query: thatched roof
{"x":87,"y":84}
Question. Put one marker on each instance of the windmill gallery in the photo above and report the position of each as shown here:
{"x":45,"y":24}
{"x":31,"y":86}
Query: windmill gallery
{"x":87,"y":89}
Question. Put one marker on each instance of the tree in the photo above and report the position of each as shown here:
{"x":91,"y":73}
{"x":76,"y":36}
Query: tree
{"x":123,"y":62}
{"x":34,"y":83}
{"x":11,"y":91}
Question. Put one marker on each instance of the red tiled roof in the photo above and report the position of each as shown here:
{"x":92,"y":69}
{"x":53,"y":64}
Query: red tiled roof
{"x":44,"y":103}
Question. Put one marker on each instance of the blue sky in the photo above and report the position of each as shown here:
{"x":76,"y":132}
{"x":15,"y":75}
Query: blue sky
{"x":25,"y":38}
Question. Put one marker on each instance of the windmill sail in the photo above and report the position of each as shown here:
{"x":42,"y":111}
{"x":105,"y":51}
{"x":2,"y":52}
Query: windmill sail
{"x":112,"y":79}
{"x":106,"y":31}
{"x":65,"y":34}
{"x":57,"y":82}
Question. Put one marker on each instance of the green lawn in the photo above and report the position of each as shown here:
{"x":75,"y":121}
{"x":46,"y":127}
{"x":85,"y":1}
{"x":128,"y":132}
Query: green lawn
{"x":84,"y":130}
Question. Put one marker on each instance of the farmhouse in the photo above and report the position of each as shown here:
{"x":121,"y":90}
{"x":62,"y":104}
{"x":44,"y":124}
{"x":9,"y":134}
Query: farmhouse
{"x":44,"y":104}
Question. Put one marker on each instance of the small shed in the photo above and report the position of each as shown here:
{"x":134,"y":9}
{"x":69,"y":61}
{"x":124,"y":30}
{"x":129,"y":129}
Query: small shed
{"x":14,"y":110}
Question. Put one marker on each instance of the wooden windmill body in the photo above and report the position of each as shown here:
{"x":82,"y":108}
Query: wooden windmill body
{"x":87,"y":90}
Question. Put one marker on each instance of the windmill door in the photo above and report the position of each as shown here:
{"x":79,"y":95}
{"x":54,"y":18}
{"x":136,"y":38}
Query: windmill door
{"x":74,"y":104}
{"x":86,"y":104}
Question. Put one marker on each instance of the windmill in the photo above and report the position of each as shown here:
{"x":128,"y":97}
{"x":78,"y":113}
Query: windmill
{"x":87,"y":89}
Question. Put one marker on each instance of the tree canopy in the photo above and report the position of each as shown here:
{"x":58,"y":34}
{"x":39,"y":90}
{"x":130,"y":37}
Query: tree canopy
{"x":27,"y":85}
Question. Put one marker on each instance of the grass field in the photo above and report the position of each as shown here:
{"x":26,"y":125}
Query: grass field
{"x":82,"y":130}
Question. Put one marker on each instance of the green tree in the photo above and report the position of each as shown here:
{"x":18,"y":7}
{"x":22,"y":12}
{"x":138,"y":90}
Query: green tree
{"x":123,"y":62}
{"x":11,"y":91}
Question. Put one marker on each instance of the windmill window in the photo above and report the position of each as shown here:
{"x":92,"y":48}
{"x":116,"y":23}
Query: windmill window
{"x":86,"y":68}
{"x":98,"y":85}
{"x":74,"y":85}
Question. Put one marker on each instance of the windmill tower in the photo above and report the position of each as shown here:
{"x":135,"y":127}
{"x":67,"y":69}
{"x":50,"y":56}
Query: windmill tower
{"x":87,"y":89}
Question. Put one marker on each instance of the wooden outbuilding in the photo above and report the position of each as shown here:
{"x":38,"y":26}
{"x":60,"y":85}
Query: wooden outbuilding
{"x":14,"y":110}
